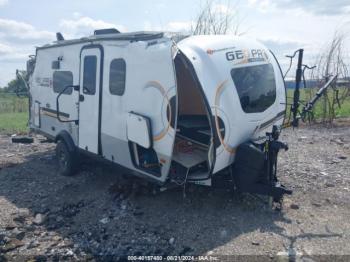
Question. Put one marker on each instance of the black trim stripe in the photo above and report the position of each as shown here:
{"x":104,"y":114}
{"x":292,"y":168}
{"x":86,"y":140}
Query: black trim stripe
{"x":53,"y":113}
{"x":277,"y":117}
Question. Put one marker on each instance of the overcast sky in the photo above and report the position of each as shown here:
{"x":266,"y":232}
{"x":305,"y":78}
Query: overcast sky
{"x":283,"y":25}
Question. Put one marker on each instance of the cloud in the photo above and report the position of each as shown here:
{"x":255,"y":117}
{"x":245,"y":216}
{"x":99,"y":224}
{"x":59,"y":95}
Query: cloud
{"x":221,"y":9}
{"x":316,"y":7}
{"x":84,"y":26}
{"x":11,"y":58}
{"x":282,"y":46}
{"x":148,"y":26}
{"x":262,"y":6}
{"x":14,"y":58}
{"x":3,"y":2}
{"x":179,"y":26}
{"x":18,"y":32}
{"x":18,"y":39}
{"x":12,"y":53}
{"x":77,"y":15}
{"x":320,"y":7}
{"x":172,"y":26}
{"x":5,"y":49}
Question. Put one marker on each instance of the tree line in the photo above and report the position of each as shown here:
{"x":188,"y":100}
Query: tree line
{"x":16,"y":86}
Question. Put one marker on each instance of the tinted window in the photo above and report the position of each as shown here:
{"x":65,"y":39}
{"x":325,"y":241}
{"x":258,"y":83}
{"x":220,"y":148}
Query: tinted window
{"x":117,"y":75}
{"x":62,"y":79}
{"x":256,"y":87}
{"x":89,"y":78}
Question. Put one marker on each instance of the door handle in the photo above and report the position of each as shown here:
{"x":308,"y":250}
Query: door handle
{"x":81,"y":98}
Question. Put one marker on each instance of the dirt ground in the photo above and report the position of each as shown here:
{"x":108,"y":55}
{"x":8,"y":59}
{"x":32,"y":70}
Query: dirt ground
{"x":103,"y":213}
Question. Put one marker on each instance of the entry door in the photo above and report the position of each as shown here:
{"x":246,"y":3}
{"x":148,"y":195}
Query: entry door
{"x":89,"y":105}
{"x":151,"y":92}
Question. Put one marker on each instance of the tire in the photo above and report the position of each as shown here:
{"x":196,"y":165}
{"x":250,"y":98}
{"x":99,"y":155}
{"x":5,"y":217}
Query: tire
{"x":248,"y":165}
{"x":67,"y":160}
{"x":22,"y":140}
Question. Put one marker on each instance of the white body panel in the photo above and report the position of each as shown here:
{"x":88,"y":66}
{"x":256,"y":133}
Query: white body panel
{"x":208,"y":56}
{"x":150,"y":84}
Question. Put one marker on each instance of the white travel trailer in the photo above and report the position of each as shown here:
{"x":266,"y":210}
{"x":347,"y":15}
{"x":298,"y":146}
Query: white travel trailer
{"x":174,"y":111}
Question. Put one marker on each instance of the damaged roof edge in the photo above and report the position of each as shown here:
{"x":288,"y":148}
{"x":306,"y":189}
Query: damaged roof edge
{"x":134,"y":36}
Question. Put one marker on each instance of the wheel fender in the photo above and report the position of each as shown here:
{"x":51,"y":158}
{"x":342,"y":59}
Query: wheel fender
{"x":67,"y":138}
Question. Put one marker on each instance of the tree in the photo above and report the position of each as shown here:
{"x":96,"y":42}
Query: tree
{"x":215,"y":18}
{"x":332,"y":61}
{"x":17,"y":85}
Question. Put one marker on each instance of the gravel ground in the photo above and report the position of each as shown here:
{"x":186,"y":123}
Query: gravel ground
{"x":103,"y":212}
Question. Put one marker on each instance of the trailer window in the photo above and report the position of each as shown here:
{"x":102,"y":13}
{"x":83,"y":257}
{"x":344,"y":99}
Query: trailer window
{"x":62,"y":79}
{"x":117,"y":74}
{"x":89,"y":78}
{"x":256,"y":87}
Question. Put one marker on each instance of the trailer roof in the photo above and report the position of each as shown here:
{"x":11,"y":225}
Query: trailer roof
{"x":133,"y":36}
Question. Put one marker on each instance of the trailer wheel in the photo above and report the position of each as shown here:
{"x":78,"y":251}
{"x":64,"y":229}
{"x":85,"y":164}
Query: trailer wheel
{"x":67,"y":160}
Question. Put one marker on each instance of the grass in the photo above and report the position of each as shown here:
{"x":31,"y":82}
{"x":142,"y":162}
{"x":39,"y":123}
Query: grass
{"x":307,"y":94}
{"x":12,"y":103}
{"x":13,"y":114}
{"x":13,"y":122}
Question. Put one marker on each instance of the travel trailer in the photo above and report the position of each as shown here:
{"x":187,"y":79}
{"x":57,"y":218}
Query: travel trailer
{"x":173,"y":109}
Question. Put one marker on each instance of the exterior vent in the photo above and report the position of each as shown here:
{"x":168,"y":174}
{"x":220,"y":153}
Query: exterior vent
{"x":106,"y":31}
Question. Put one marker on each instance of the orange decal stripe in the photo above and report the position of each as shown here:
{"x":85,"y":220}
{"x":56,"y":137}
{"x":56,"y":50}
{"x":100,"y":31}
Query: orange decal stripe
{"x":218,"y":93}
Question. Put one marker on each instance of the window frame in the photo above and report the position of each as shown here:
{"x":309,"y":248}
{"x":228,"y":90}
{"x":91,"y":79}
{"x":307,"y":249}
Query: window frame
{"x":95,"y":75}
{"x":257,"y":110}
{"x":112,"y":91}
{"x":69,"y":91}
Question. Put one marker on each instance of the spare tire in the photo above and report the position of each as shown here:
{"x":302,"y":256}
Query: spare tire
{"x":248,"y":166}
{"x":22,"y":140}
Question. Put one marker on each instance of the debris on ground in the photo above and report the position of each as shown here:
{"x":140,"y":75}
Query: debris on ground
{"x":104,"y":211}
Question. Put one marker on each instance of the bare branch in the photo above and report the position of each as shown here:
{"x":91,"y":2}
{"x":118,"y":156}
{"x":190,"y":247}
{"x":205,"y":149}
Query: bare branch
{"x":212,"y":20}
{"x":332,"y":61}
